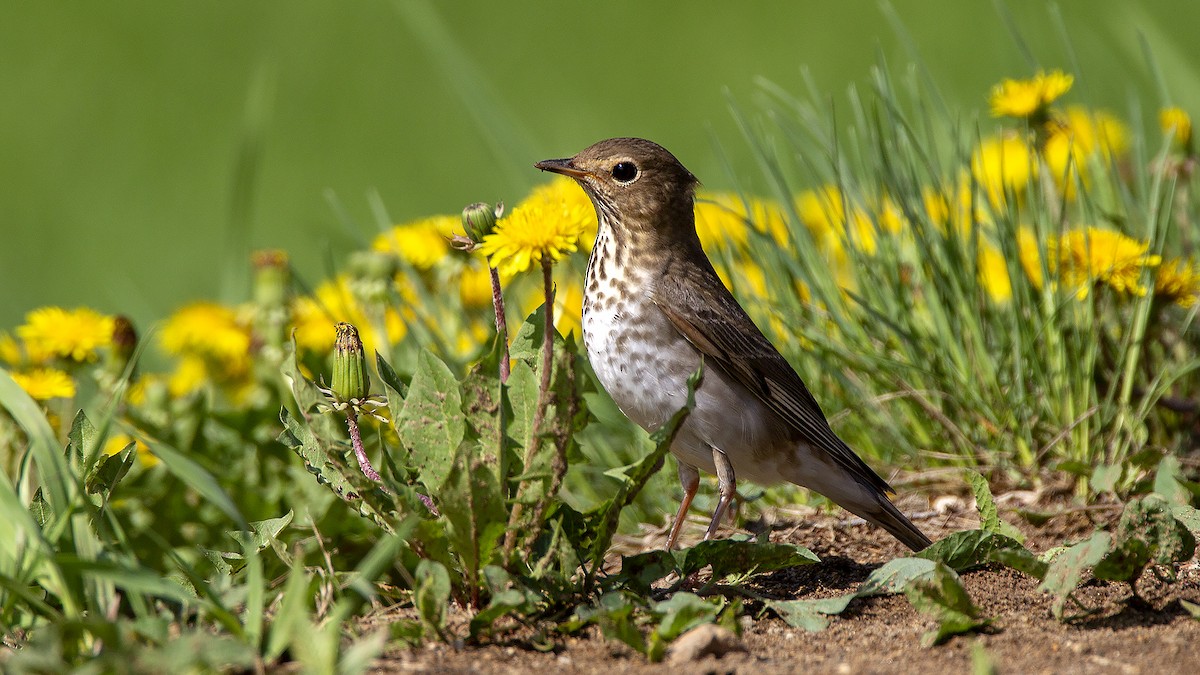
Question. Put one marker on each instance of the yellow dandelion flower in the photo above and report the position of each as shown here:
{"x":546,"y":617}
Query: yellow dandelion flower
{"x":1078,"y":136}
{"x":1030,"y":256}
{"x":422,"y":243}
{"x":209,"y":329}
{"x":1027,"y":98}
{"x":720,"y":224}
{"x":823,"y":212}
{"x":43,"y":384}
{"x":952,"y":208}
{"x":535,"y":229}
{"x":10,"y":350}
{"x":1091,"y":254}
{"x":562,"y":196}
{"x":75,"y":334}
{"x":118,"y":442}
{"x":190,"y":374}
{"x":1178,"y":281}
{"x":993,"y":273}
{"x":1003,"y":165}
{"x":1176,"y":123}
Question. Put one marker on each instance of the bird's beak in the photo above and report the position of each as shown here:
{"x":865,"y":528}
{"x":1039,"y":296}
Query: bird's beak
{"x":563,"y":166}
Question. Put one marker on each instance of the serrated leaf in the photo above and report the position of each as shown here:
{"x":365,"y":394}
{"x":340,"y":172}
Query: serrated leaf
{"x":989,"y":518}
{"x":942,"y":596}
{"x":1147,"y":533}
{"x":968,"y":548}
{"x":1066,"y":570}
{"x":110,"y":469}
{"x":728,"y":556}
{"x":262,"y":532}
{"x":301,"y":439}
{"x":432,"y":424}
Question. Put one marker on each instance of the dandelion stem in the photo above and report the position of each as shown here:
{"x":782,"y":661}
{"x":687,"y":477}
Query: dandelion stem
{"x":359,"y":452}
{"x":501,"y":322}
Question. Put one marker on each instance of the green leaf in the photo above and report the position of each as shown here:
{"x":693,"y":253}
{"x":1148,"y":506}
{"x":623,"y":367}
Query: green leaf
{"x":942,"y":596}
{"x":745,"y":557}
{"x":810,"y":615}
{"x":44,"y":447}
{"x":1105,"y":477}
{"x":431,"y":595}
{"x":1147,"y":533}
{"x":1188,"y":515}
{"x":676,"y":615}
{"x":292,"y":617}
{"x":1020,"y":559}
{"x":1167,"y":481}
{"x":895,"y":575}
{"x":969,"y":548}
{"x":473,"y":505}
{"x":522,"y":392}
{"x":1191,"y":607}
{"x":392,"y":381}
{"x":432,"y":424}
{"x":262,"y":533}
{"x":368,"y":499}
{"x":989,"y":519}
{"x":1066,"y":570}
{"x":110,"y":470}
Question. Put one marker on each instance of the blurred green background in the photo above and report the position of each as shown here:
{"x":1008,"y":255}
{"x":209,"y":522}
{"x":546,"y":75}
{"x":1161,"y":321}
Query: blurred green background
{"x":146,"y":147}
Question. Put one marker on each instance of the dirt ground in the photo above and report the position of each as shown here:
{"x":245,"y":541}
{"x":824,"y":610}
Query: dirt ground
{"x":883,"y":634}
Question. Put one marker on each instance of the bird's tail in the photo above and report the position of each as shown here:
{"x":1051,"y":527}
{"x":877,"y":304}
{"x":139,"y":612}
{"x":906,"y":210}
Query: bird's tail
{"x":889,"y":518}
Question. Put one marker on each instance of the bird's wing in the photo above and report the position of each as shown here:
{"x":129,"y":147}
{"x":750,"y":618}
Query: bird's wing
{"x":713,"y":321}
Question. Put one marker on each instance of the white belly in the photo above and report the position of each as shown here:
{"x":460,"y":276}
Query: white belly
{"x":643,"y":362}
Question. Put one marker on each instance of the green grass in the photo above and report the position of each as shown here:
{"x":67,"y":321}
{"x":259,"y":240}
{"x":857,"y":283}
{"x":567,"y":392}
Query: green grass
{"x":244,"y":535}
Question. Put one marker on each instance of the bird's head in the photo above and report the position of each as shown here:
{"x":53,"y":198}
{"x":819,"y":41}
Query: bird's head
{"x":637,"y":186}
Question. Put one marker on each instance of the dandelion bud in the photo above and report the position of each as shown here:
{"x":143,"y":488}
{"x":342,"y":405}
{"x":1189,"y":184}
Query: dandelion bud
{"x":479,"y":220}
{"x":350,"y":378}
{"x":124,"y":342}
{"x":272,"y":277}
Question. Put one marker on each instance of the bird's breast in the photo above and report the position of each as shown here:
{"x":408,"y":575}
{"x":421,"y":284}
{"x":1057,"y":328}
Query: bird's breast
{"x":638,"y":356}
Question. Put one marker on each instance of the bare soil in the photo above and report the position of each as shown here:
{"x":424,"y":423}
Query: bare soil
{"x":1121,"y":634}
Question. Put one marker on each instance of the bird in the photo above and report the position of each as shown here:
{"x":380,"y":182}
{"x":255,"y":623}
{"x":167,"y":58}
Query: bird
{"x":654,"y":309}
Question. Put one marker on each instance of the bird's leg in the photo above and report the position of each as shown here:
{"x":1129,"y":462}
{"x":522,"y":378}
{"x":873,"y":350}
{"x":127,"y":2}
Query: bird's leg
{"x":726,"y":486}
{"x":689,"y":478}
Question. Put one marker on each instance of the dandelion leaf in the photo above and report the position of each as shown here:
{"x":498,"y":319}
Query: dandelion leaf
{"x":432,"y":424}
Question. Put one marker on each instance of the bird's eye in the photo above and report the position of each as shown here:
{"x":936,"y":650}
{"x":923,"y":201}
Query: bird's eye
{"x":624,"y":172}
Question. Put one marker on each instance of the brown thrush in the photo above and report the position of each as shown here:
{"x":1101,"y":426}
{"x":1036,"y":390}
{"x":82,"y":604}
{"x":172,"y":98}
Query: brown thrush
{"x":653,"y":307}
